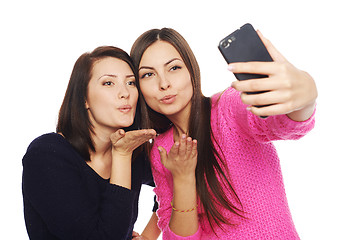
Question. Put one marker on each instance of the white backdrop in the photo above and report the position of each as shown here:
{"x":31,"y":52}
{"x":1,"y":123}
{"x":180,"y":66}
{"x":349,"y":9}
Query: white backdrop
{"x":40,"y":42}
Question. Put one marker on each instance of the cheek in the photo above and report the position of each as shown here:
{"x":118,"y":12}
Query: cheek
{"x":147,"y":91}
{"x":186,"y":84}
{"x":135,"y":97}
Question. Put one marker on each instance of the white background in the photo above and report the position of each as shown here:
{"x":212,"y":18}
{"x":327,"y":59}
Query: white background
{"x":40,"y":42}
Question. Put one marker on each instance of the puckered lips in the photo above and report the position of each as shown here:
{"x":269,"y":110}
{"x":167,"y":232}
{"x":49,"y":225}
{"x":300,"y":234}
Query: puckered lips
{"x":125,"y":108}
{"x":168,"y":99}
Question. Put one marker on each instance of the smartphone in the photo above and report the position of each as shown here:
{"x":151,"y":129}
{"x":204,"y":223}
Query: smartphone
{"x":244,"y":45}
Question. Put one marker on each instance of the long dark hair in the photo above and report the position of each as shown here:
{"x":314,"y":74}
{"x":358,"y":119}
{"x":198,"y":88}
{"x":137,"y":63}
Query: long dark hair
{"x":73,"y":122}
{"x":211,"y":163}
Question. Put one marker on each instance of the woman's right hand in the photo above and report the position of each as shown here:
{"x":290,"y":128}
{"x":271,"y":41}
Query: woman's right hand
{"x":182,"y":158}
{"x":124,"y":143}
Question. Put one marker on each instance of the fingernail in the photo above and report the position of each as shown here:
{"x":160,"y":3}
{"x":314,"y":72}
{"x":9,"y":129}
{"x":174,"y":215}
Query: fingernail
{"x":248,"y":108}
{"x":159,"y":149}
{"x":230,"y":68}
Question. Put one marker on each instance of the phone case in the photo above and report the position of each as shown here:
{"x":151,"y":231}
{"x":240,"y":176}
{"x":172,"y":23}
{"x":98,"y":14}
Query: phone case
{"x":244,"y":45}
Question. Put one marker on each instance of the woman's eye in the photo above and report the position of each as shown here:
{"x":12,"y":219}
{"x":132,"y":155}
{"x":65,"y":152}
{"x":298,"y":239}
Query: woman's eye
{"x":146,"y":75}
{"x":175,"y":68}
{"x":131,"y":83}
{"x":108,"y":83}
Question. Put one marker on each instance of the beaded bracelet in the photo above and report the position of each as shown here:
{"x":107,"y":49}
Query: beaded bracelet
{"x":182,"y":211}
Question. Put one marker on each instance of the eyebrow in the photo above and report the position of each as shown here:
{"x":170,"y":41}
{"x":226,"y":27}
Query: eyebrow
{"x":115,"y":76}
{"x":167,"y":63}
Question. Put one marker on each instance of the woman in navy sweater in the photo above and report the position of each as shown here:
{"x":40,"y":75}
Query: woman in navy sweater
{"x":83,"y":182}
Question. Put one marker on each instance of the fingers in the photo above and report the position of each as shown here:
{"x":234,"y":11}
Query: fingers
{"x":275,"y":109}
{"x":163,"y":155}
{"x":135,"y":234}
{"x":182,"y":150}
{"x":259,"y":85}
{"x":266,"y":98}
{"x":116,"y":136}
{"x":182,"y":158}
{"x":183,"y":145}
{"x":140,"y":136}
{"x":186,"y":147}
{"x":263,"y":68}
{"x":126,"y":142}
{"x":194,"y":148}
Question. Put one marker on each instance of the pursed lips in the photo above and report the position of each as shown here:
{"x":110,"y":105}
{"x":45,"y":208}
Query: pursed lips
{"x":168,"y":99}
{"x":125,"y":108}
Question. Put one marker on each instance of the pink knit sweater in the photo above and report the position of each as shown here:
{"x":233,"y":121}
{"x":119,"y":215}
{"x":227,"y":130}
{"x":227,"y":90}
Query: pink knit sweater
{"x":254,"y":170}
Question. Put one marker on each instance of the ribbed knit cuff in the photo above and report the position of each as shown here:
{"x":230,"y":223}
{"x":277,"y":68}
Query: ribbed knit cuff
{"x":170,"y":235}
{"x":119,"y":192}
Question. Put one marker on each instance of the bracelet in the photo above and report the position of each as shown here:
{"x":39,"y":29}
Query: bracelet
{"x":182,"y":211}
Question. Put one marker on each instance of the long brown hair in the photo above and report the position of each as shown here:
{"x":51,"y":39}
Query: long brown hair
{"x":73,"y":122}
{"x":211,"y":163}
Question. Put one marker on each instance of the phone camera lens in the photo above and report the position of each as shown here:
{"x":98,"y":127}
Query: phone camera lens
{"x":225,"y":43}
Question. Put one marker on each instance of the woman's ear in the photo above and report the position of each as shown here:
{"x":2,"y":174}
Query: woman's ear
{"x":87,"y":105}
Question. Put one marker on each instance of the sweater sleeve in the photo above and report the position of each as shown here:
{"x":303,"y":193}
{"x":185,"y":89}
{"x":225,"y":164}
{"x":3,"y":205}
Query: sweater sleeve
{"x":164,"y":193}
{"x":55,"y":188}
{"x":280,"y":127}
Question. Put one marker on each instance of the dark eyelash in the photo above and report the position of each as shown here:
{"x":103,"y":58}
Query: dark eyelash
{"x":144,"y":75}
{"x":176,"y":67}
{"x":106,"y":83}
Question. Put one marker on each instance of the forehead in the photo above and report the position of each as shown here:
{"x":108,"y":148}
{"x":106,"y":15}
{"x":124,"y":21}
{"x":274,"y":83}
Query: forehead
{"x":159,"y":53}
{"x":111,"y":65}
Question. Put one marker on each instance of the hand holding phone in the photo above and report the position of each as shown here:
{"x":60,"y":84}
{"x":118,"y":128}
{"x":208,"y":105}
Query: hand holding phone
{"x":290,"y":91}
{"x":244,"y":45}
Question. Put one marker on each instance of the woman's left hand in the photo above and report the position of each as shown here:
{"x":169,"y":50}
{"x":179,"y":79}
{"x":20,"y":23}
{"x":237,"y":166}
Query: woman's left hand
{"x":288,"y":90}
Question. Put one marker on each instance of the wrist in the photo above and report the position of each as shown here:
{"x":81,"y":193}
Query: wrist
{"x":303,"y":114}
{"x":184,"y":179}
{"x":120,"y":154}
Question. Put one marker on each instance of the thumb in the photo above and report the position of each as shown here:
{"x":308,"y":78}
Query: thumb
{"x":163,"y":155}
{"x":116,"y":136}
{"x":274,"y":53}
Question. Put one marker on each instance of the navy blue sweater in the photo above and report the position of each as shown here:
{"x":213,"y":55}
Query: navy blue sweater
{"x":64,"y":198}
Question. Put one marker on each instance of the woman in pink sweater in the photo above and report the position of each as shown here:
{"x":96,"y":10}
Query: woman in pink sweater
{"x":216,"y":171}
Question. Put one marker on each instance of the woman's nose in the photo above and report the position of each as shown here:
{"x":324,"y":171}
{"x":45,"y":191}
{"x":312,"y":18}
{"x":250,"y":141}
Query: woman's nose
{"x":123,"y":92}
{"x":164,"y":83}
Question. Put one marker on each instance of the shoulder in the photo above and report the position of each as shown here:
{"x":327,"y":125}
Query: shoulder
{"x":226,"y":96}
{"x":227,"y":100}
{"x":48,"y":142}
{"x":228,"y":104}
{"x":49,"y":147}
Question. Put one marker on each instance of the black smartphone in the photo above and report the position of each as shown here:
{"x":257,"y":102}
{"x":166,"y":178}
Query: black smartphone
{"x":244,"y":45}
